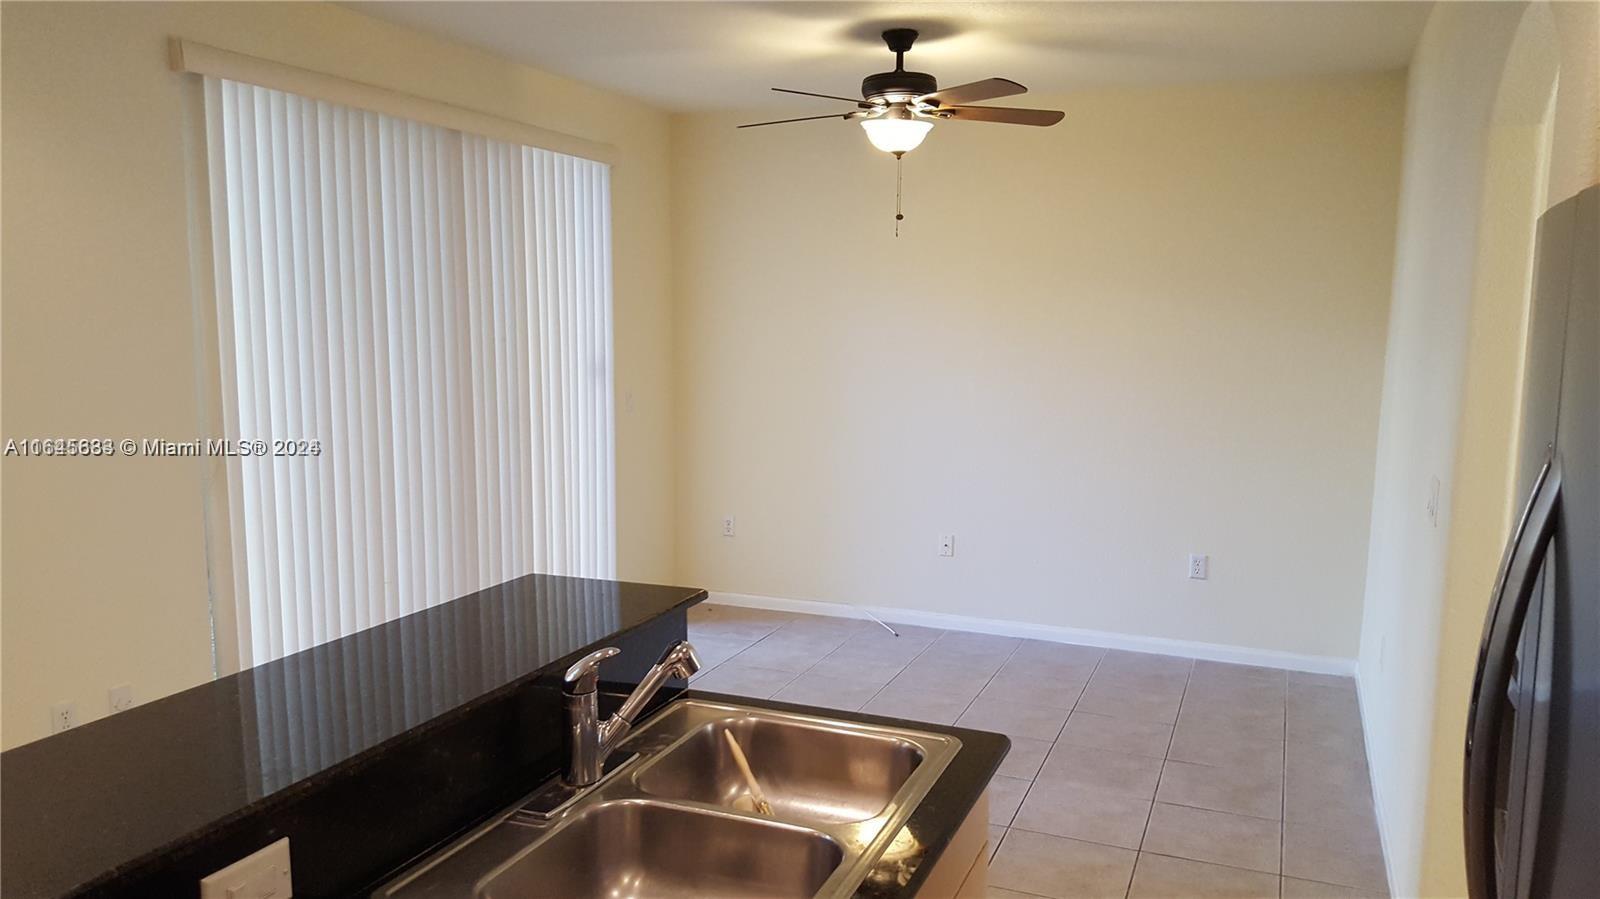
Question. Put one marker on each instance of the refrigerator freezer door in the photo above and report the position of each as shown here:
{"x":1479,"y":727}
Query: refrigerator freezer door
{"x":1492,"y":774}
{"x":1567,"y":853}
{"x":1532,"y":790}
{"x":1547,"y":331}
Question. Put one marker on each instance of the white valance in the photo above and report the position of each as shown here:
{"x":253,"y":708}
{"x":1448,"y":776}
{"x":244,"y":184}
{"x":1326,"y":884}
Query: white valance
{"x":203,"y":59}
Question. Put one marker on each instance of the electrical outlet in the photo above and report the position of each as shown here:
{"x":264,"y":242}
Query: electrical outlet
{"x":63,"y":716}
{"x":728,"y":526}
{"x":263,"y":874}
{"x":121,"y":697}
{"x":1199,"y":566}
{"x":947,"y":544}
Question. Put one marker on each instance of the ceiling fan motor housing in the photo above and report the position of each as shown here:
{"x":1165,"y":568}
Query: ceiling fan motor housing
{"x":899,"y":83}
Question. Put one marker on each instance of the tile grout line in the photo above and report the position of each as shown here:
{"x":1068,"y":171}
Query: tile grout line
{"x":1035,"y":779}
{"x":813,"y":664}
{"x":749,"y":645}
{"x":1188,"y":678}
{"x":796,"y":675}
{"x":990,"y":679}
{"x":1283,"y":788}
{"x":1013,"y":654}
{"x":1197,"y":861}
{"x":876,"y":693}
{"x":1181,"y":858}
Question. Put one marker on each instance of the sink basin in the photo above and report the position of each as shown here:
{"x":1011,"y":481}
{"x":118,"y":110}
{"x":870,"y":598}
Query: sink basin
{"x":643,"y":848}
{"x":664,"y":824}
{"x":809,"y":773}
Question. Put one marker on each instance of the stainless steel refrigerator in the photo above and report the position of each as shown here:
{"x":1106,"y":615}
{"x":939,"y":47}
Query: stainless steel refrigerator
{"x":1532,"y":784}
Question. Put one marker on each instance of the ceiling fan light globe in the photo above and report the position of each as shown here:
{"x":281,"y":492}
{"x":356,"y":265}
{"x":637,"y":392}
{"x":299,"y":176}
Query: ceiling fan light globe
{"x":896,"y":135}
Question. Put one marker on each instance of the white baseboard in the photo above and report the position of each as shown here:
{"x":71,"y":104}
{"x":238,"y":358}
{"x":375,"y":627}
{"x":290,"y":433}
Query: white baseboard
{"x":1372,"y":778}
{"x":1215,"y":652}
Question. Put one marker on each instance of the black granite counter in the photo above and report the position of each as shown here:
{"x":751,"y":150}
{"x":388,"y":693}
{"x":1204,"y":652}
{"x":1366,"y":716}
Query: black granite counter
{"x":927,"y":833}
{"x":364,"y":751}
{"x":371,"y":751}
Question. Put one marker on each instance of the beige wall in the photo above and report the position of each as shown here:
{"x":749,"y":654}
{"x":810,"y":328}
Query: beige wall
{"x":1476,"y":151}
{"x":104,"y":579}
{"x":1575,"y":144}
{"x":1513,"y":197}
{"x":1453,"y":81}
{"x":1154,"y":329}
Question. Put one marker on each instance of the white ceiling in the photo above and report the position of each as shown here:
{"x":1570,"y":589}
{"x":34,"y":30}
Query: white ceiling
{"x":725,"y":55}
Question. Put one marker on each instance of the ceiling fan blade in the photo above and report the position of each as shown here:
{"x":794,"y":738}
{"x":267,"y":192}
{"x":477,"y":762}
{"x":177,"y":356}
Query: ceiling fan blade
{"x":1007,"y":114}
{"x":809,"y":118}
{"x":987,"y":89}
{"x":856,"y":100}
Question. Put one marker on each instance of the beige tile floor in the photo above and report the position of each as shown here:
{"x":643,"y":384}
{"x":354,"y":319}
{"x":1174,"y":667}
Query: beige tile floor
{"x":1131,"y":776}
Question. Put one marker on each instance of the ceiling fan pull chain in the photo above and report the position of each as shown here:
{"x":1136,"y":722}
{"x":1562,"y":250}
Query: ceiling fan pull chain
{"x":898,"y":215}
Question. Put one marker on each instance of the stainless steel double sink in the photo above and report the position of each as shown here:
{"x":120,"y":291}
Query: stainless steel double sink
{"x":673,"y":820}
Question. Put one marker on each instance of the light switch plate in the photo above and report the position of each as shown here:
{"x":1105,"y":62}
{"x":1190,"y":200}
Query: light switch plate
{"x":263,"y":874}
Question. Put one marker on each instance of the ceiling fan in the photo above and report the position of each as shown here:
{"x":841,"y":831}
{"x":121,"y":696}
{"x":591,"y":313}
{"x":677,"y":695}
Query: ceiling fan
{"x":897,"y":109}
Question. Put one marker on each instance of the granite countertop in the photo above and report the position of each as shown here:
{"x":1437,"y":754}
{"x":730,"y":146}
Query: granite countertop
{"x":372,"y":750}
{"x":935,"y":820}
{"x":269,"y":749}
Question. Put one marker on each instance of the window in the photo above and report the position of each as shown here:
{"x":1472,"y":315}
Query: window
{"x":417,"y":322}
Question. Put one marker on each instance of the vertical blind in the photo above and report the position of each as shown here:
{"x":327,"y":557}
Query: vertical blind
{"x":430,"y":311}
{"x":304,"y":714}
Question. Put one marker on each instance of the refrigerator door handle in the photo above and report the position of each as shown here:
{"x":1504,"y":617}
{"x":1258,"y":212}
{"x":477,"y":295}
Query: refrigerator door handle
{"x":1519,"y":571}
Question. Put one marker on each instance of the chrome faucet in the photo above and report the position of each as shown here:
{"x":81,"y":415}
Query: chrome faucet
{"x":589,"y":740}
